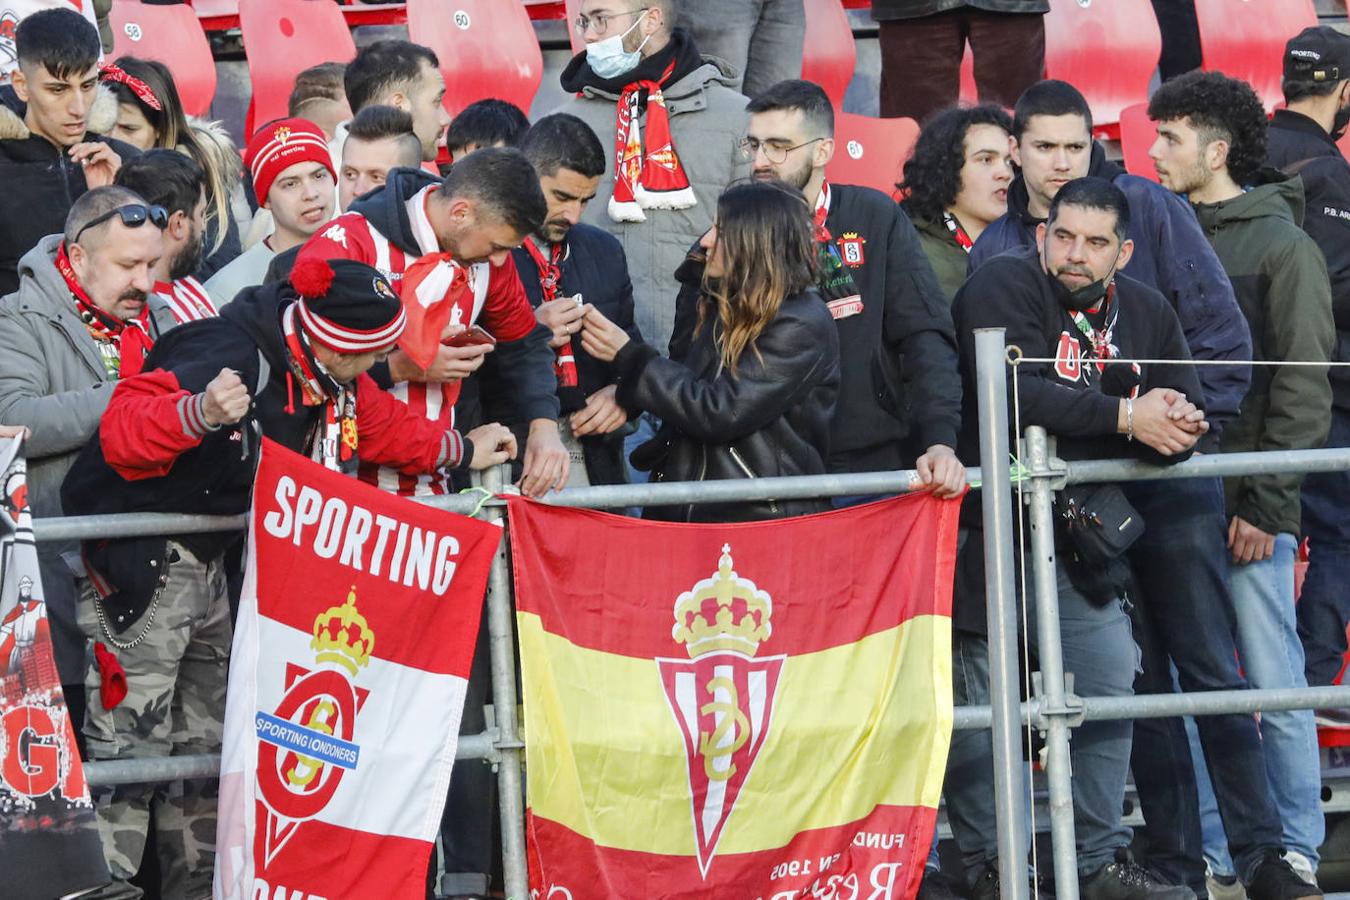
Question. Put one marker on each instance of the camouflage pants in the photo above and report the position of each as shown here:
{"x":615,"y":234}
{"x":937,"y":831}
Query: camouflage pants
{"x":175,"y":705}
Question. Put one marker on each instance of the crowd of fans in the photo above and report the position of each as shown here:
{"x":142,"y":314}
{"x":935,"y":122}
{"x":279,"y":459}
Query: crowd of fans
{"x":658,"y":281}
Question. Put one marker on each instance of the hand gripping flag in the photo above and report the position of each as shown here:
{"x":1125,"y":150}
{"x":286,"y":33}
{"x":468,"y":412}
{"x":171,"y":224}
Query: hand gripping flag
{"x":352,"y":648}
{"x":758,"y":710}
{"x":49,"y":843}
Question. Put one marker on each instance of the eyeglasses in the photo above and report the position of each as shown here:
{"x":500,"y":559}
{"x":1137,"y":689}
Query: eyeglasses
{"x":134,"y":215}
{"x":600,"y":21}
{"x":775,"y":153}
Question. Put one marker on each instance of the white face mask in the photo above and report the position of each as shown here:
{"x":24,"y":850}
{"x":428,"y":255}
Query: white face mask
{"x":608,"y":59}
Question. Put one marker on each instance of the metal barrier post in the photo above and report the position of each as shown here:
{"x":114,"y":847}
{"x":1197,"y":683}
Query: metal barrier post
{"x":1009,"y":802}
{"x":501,"y":634}
{"x":1049,"y":652}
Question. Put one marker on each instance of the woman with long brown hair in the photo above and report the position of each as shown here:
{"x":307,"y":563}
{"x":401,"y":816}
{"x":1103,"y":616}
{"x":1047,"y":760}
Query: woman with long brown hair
{"x":150,"y":115}
{"x":754,"y":394}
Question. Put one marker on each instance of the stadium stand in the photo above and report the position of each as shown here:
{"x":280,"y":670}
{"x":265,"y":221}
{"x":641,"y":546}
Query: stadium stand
{"x":282,"y":38}
{"x":1250,"y":46}
{"x":487,"y":49}
{"x":172,"y":35}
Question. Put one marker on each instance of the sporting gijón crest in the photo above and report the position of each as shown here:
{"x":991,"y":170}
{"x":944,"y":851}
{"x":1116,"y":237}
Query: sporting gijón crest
{"x":306,"y":744}
{"x":722,"y":696}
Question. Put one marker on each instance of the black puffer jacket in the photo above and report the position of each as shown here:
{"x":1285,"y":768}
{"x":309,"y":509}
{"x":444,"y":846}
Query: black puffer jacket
{"x":772,"y":418}
{"x":40,"y":184}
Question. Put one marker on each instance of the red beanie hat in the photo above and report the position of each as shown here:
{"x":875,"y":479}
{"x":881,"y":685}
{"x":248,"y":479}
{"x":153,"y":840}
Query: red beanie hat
{"x":281,"y":144}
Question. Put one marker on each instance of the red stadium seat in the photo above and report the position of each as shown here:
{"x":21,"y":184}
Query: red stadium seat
{"x":172,"y":35}
{"x":487,"y":48}
{"x":573,"y":9}
{"x":1137,"y":133}
{"x":870,"y":151}
{"x":281,"y":39}
{"x":829,"y":55}
{"x":1344,"y":144}
{"x":1108,"y":49}
{"x":1246,"y":39}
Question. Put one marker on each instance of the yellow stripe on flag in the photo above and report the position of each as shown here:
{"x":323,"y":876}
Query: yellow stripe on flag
{"x":874,"y":715}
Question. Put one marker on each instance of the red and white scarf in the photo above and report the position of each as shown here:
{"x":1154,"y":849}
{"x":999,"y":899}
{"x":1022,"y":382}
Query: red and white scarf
{"x":647,"y":174}
{"x":335,"y":444}
{"x":131,"y":338}
{"x":550,"y":277}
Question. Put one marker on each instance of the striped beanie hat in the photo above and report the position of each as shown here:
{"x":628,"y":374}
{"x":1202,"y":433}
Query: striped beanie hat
{"x":281,"y":144}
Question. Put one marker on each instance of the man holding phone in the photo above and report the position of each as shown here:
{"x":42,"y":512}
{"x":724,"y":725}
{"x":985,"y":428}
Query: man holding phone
{"x":486,"y":205}
{"x":567,"y":268}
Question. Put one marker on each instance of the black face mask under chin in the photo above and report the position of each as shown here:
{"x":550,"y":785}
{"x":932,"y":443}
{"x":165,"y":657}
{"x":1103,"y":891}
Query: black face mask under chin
{"x":1339,"y":123}
{"x":1085,"y":297}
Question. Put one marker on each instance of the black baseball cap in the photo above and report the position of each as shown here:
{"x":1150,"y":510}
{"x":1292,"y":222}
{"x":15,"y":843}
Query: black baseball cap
{"x":1319,"y":54}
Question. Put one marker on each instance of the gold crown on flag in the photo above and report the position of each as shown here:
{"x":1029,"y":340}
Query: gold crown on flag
{"x":342,"y":636}
{"x":724,"y":612}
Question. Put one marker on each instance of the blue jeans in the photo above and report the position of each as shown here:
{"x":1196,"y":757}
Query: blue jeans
{"x":1183,"y":614}
{"x":1272,"y":657}
{"x":1100,"y":651}
{"x":1324,"y":606}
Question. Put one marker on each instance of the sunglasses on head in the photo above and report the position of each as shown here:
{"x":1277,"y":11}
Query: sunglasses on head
{"x":134,"y":215}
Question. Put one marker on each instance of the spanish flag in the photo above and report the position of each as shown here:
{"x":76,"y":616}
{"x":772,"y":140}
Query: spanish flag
{"x":754,"y":710}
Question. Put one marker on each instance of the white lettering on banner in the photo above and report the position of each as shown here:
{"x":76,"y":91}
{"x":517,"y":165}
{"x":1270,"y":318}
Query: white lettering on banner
{"x":874,"y":840}
{"x":885,"y":891}
{"x":420,"y":556}
{"x":262,"y":891}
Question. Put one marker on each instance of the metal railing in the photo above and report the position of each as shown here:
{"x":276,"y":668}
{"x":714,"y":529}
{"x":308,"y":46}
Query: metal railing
{"x":1053,"y":710}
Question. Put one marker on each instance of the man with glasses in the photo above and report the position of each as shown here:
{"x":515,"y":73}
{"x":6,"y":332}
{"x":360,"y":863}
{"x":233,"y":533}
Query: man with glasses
{"x":83,"y":317}
{"x":680,"y":120}
{"x":881,"y":292}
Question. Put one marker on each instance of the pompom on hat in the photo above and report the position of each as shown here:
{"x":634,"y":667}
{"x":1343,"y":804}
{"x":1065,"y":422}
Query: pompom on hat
{"x":347,"y":306}
{"x":281,"y":144}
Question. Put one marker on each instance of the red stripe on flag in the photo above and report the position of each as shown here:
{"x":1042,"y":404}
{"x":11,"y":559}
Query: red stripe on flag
{"x":324,"y":860}
{"x":320,"y":535}
{"x":880,"y":857}
{"x":613,"y":562}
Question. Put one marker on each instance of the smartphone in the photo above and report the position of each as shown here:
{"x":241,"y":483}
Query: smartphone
{"x":471,"y":337}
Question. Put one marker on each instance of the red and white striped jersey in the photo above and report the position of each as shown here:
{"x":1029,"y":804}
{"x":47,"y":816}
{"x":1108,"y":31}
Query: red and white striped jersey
{"x":495,"y":297}
{"x":187,"y":299}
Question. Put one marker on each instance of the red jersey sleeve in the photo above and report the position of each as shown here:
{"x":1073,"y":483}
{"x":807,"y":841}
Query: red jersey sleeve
{"x":346,"y":237}
{"x":150,"y":421}
{"x":506,"y":311}
{"x":390,"y":434}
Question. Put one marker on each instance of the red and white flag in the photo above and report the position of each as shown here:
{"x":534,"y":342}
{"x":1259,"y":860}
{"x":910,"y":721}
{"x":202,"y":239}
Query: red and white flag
{"x":49,"y":844}
{"x":352,"y":648}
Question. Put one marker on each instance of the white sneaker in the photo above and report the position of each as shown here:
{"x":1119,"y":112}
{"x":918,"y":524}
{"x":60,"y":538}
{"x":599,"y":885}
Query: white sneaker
{"x":1225,"y":889}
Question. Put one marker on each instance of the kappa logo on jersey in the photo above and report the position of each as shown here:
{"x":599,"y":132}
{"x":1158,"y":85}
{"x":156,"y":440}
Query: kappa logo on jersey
{"x":722,"y":697}
{"x":1068,"y":358}
{"x":851,"y":246}
{"x":306,"y":744}
{"x":337,"y":234}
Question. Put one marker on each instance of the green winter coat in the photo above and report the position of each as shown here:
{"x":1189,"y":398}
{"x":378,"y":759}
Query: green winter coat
{"x":948,"y":258}
{"x":1280,"y":278}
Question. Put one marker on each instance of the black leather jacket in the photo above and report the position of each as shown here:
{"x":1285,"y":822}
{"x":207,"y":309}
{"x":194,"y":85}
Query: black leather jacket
{"x":771,"y":419}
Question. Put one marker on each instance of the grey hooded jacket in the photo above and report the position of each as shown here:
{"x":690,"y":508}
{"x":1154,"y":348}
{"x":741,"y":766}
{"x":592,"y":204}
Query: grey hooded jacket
{"x":52,"y":380}
{"x":707,"y":123}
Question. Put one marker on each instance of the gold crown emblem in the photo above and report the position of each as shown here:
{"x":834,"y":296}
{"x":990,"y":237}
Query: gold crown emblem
{"x":342,"y":636}
{"x":282,"y":134}
{"x":724,"y":612}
